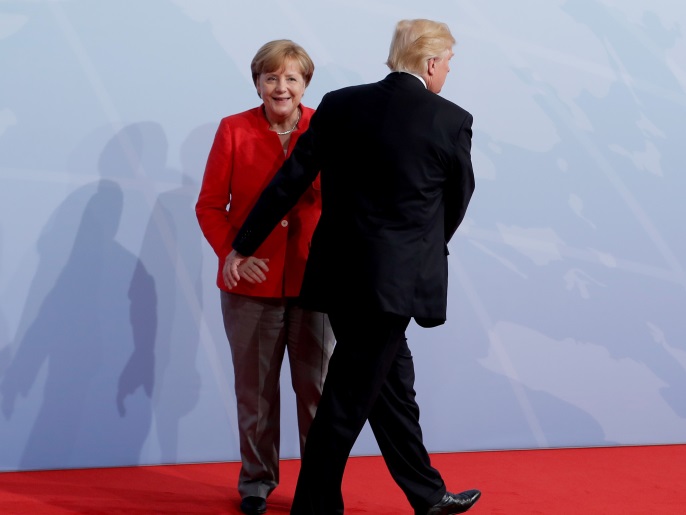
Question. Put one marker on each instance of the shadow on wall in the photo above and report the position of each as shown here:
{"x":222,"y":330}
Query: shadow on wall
{"x":172,"y":252}
{"x":94,"y":331}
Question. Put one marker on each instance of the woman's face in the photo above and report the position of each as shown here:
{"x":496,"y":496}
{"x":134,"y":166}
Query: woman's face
{"x":281,"y":90}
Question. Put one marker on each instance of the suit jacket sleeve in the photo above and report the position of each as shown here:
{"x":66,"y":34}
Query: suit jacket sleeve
{"x":281,"y":194}
{"x":460,"y":184}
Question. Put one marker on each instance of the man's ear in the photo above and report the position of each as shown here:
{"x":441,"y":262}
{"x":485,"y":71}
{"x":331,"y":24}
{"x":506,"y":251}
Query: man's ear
{"x":431,"y":66}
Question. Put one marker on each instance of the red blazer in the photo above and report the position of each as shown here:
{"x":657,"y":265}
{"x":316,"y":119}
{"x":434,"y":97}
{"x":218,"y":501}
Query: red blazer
{"x":243,"y":159}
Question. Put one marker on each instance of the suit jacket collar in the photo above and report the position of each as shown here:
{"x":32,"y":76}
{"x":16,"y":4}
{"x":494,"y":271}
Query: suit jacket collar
{"x":405,"y":78}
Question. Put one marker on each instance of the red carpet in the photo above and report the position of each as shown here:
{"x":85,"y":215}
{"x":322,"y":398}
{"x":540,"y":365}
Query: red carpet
{"x":615,"y":480}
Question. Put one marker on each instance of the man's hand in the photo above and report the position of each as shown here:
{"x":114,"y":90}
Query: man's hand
{"x":238,"y":266}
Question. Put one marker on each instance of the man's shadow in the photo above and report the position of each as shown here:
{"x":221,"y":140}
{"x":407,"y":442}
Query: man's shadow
{"x":93,"y":333}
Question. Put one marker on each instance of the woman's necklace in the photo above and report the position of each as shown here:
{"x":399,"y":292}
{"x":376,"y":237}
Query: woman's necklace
{"x":292,"y":128}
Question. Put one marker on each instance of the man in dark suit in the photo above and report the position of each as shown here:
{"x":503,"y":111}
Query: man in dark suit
{"x":396,"y":179}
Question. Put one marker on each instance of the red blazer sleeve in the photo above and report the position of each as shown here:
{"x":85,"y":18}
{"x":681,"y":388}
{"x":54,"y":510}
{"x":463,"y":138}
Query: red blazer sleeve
{"x":215,"y":193}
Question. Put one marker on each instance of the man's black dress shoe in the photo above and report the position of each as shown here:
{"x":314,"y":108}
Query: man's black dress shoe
{"x":252,"y":505}
{"x":455,"y":503}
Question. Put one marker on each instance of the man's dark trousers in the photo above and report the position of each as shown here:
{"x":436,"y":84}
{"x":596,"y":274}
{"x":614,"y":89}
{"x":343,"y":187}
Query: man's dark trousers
{"x":370,"y":377}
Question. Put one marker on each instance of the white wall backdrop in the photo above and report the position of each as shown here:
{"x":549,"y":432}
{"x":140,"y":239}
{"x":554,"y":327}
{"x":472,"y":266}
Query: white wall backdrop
{"x":567,"y":319}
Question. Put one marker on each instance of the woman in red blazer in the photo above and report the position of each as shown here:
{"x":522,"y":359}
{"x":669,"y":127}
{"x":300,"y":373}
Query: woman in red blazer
{"x":263,"y":319}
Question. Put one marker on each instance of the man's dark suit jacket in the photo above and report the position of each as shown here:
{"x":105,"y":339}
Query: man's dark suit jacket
{"x":396,"y":179}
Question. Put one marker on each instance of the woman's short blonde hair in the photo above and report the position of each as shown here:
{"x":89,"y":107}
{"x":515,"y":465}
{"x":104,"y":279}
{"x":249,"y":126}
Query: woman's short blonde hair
{"x":415,"y":42}
{"x":273,"y":55}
